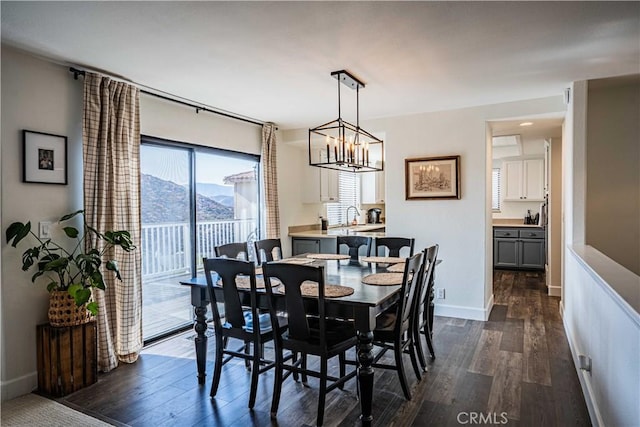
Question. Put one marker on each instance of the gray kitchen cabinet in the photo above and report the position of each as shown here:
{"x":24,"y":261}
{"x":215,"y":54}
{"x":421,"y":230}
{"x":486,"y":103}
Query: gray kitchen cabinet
{"x":519,"y":248}
{"x":302,"y":245}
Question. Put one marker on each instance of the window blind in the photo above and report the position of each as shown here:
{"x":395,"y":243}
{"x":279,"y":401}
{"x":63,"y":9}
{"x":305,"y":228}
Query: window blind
{"x":349,"y":195}
{"x":495,"y":189}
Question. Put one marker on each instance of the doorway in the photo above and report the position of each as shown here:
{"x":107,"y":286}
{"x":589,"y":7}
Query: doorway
{"x":526,"y":189}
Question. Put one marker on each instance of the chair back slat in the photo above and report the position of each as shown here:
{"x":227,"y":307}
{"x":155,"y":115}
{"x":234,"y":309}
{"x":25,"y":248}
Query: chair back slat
{"x":394,"y":245}
{"x":292,"y":277}
{"x":410,"y":280}
{"x":227,"y":269}
{"x":425,"y":287}
{"x":264,"y":250}
{"x":233,"y":250}
{"x":354,"y":243}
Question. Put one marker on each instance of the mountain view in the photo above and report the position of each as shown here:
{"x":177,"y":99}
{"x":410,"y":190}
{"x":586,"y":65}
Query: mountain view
{"x":166,"y":201}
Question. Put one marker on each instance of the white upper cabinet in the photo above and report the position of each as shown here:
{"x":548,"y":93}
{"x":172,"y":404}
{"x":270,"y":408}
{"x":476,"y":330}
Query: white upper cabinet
{"x":372,"y":187}
{"x":524,"y":180}
{"x":329,"y":185}
{"x":320,"y":185}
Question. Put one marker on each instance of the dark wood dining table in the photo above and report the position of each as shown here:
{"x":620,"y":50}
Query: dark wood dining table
{"x":363,"y":306}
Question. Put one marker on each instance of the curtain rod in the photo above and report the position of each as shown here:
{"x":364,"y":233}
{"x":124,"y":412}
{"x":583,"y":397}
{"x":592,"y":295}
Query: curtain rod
{"x":198,"y":108}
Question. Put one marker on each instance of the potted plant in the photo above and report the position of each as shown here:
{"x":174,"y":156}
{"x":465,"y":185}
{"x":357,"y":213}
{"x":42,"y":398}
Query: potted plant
{"x":71,"y":273}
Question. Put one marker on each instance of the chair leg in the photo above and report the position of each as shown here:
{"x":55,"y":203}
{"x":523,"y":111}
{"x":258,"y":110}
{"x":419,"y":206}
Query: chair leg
{"x":277,"y":382}
{"x":322,"y":390}
{"x":304,"y":367}
{"x":417,"y":340}
{"x":429,"y":336}
{"x":217,"y":367}
{"x":247,"y":351}
{"x":343,"y":368}
{"x":414,"y":360}
{"x":400,"y":368}
{"x":254,"y":374}
{"x":294,"y":359}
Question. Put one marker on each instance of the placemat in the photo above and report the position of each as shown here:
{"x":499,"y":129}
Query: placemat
{"x":328,"y":256}
{"x":243,"y":282}
{"x":296,"y":261}
{"x":310,"y":289}
{"x":396,"y":268}
{"x":383,"y":259}
{"x":383,"y":279}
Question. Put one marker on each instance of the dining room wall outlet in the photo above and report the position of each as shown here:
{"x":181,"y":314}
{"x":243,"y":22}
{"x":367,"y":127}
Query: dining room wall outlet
{"x":440,"y":293}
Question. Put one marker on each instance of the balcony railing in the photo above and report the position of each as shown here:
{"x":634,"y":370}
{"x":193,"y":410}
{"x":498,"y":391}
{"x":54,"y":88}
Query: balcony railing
{"x":166,"y":247}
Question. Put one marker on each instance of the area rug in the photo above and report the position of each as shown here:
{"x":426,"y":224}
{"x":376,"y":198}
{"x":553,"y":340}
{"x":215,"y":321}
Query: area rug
{"x":34,"y":410}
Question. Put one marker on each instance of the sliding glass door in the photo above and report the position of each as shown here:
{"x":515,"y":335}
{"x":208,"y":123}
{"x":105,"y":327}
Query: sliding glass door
{"x":193,"y":199}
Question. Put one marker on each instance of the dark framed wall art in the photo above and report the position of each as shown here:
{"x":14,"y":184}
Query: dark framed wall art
{"x":432,"y":178}
{"x":44,"y":158}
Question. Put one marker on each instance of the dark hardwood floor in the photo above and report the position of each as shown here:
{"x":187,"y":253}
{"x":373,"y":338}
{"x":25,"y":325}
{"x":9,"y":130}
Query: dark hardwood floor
{"x":515,"y":369}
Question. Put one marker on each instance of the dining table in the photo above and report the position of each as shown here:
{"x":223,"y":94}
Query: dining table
{"x":363,"y":305}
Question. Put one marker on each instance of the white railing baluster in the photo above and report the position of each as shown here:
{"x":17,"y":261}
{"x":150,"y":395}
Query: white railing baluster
{"x":166,"y":246}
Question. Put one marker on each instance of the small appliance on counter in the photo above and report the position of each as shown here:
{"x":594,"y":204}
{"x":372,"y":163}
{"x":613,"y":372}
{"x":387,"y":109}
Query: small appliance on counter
{"x":374,"y":216}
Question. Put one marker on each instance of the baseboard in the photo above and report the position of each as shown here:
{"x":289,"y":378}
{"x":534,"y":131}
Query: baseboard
{"x":462,"y":312}
{"x":555,"y":291}
{"x":19,"y":386}
{"x":585,"y":384}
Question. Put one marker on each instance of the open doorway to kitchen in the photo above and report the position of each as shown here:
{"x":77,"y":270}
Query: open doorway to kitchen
{"x":526,"y":190}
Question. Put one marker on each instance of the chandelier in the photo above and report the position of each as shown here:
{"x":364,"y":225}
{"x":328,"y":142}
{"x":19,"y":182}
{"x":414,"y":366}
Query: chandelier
{"x":341,"y":145}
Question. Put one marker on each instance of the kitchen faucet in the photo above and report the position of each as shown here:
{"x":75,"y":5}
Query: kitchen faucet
{"x":355,"y":221}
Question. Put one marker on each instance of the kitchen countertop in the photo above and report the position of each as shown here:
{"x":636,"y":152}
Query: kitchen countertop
{"x":517,"y":225}
{"x":365,"y":230}
{"x":513,"y":223}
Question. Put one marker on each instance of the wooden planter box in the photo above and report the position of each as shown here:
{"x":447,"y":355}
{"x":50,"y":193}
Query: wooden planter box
{"x":67,"y":358}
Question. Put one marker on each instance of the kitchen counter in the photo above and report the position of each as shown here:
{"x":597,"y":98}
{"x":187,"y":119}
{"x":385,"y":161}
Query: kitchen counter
{"x":367,"y":230}
{"x":503,"y":222}
{"x":517,"y":225}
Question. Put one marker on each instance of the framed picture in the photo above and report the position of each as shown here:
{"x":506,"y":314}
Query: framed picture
{"x":432,"y":178}
{"x":44,"y":158}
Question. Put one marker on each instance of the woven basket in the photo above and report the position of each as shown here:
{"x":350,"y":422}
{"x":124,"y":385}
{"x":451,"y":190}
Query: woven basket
{"x":63,"y":310}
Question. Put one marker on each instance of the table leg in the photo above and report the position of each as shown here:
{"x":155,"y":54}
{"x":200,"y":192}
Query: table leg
{"x":200,"y":327}
{"x":365,"y":376}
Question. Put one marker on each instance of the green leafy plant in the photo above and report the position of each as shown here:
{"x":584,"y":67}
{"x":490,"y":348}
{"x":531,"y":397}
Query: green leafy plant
{"x":75,"y":271}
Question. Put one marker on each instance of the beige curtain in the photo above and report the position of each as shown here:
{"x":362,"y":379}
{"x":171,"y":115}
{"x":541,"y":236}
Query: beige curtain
{"x":270,"y":181}
{"x":111,"y":154}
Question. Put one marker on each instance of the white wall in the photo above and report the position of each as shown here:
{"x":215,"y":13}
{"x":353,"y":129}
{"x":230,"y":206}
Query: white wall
{"x":459,"y":226}
{"x":554,"y":245}
{"x":604,"y":327}
{"x":168,"y":120}
{"x":613,"y":169}
{"x":39,"y":96}
{"x":600,"y":299}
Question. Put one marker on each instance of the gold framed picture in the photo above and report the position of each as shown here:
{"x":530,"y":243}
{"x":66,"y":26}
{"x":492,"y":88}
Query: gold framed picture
{"x":432,"y":178}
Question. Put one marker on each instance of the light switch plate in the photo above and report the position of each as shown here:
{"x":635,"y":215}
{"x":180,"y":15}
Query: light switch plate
{"x":44,"y":229}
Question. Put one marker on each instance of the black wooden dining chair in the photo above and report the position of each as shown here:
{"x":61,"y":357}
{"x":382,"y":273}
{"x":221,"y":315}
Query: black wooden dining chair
{"x":422,"y":314}
{"x":310,"y":331}
{"x":393,"y":328}
{"x":265,"y":250}
{"x":393,"y":245}
{"x":354,"y":243}
{"x":233,"y":250}
{"x":241,"y":321}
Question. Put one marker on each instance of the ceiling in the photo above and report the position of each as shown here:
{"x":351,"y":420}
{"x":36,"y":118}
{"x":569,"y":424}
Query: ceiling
{"x":271,"y":61}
